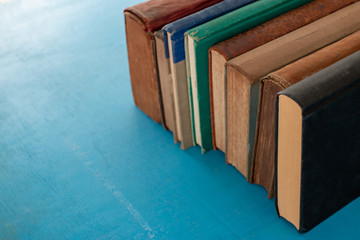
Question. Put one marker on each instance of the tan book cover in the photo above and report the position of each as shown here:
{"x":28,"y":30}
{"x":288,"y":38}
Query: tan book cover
{"x":245,"y":71}
{"x":165,"y":85}
{"x":181,"y":100}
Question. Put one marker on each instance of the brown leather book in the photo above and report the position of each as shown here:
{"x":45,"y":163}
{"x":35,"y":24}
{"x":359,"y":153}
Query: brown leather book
{"x":245,"y":72}
{"x":224,"y":51}
{"x":141,"y":22}
{"x":263,"y":168}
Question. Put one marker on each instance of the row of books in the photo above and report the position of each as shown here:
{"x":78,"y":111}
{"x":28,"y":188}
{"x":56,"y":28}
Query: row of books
{"x":274,"y":84}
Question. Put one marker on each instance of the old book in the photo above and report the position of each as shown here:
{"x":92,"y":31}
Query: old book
{"x":263,"y":164}
{"x":244,"y":42}
{"x":141,"y":22}
{"x":165,"y":84}
{"x":175,"y":55}
{"x":245,"y":71}
{"x":318,"y":139}
{"x":197,"y":43}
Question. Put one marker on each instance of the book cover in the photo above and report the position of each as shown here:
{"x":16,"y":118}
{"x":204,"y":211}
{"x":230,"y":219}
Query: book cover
{"x":141,"y":22}
{"x":263,"y":164}
{"x":245,"y":71}
{"x":198,"y":41}
{"x":244,"y":42}
{"x":318,"y":139}
{"x":165,"y":84}
{"x":175,"y":53}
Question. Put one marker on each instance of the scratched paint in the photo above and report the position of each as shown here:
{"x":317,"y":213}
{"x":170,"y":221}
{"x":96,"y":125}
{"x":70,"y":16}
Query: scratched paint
{"x":79,"y":161}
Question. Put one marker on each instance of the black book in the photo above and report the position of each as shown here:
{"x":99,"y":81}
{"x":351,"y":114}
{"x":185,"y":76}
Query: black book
{"x":318,"y":144}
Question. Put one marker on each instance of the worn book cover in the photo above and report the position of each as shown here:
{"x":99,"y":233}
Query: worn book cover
{"x":175,"y":54}
{"x":165,"y":84}
{"x":197,"y":43}
{"x":263,"y":164}
{"x":245,"y":71}
{"x":141,"y":22}
{"x":244,"y":42}
{"x":318,"y":139}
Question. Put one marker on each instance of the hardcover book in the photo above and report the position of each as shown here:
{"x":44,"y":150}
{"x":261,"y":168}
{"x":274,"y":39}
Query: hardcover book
{"x":244,"y":42}
{"x":263,"y":164}
{"x":197,"y":43}
{"x":141,"y":22}
{"x":175,"y":55}
{"x":318,"y":139}
{"x":245,"y":71}
{"x":165,"y":84}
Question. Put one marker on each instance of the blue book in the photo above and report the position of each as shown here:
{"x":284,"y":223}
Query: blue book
{"x":177,"y":86}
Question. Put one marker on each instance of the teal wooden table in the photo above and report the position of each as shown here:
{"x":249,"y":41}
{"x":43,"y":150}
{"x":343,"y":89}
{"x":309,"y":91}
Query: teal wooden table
{"x":78,"y":160}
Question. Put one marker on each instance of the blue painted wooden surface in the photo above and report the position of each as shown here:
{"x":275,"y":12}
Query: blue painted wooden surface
{"x":78,"y":160}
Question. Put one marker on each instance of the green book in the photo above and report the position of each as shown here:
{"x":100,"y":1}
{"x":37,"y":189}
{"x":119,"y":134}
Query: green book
{"x":198,"y":40}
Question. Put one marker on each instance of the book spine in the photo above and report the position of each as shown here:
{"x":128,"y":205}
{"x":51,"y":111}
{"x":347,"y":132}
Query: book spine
{"x":211,"y":91}
{"x":165,"y":84}
{"x":263,"y":160}
{"x":143,"y":70}
{"x":217,"y":87}
{"x":181,"y":100}
{"x":203,"y":96}
{"x":238,"y":103}
{"x":188,"y":78}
